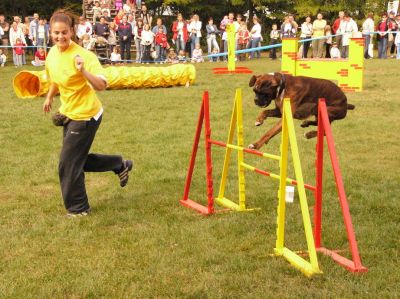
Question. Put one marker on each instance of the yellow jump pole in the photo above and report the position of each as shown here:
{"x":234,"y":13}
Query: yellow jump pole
{"x":230,"y":29}
{"x":240,"y":154}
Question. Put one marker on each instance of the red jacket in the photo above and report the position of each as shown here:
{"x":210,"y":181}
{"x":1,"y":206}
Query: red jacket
{"x":243,"y":36}
{"x":161,"y":39}
{"x":19,"y":48}
{"x":336,"y":25}
{"x":175,"y":31}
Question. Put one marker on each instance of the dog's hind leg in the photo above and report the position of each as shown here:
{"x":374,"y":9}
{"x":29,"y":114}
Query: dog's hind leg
{"x":311,"y":134}
{"x":264,"y":139}
{"x":308,"y":123}
{"x":267,"y":113}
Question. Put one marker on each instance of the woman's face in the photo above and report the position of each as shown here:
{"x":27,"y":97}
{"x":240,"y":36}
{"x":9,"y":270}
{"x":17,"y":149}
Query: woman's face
{"x":308,"y":19}
{"x":179,"y":18}
{"x":124,"y":19}
{"x":61,"y":34}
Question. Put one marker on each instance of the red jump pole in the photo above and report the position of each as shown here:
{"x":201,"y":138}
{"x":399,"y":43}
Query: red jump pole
{"x":355,"y":265}
{"x":207,"y":137}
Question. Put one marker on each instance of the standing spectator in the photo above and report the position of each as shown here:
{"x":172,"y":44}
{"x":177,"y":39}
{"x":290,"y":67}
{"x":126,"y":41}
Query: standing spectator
{"x":382,"y":36}
{"x":161,"y":43}
{"x":146,"y":42}
{"x":180,"y":31}
{"x":16,"y":34}
{"x":20,"y":25}
{"x":212,"y":32}
{"x":19,"y":51}
{"x":194,"y":29}
{"x":146,"y":17}
{"x":243,"y":40}
{"x":347,"y":28}
{"x":33,"y":27}
{"x":40,"y":57}
{"x":84,"y":27}
{"x":159,"y":24}
{"x":367,"y":28}
{"x":41,"y":36}
{"x":288,"y":27}
{"x":3,"y":57}
{"x":222,"y":30}
{"x":112,"y":37}
{"x":335,"y":28}
{"x":6,"y":29}
{"x":25,"y":30}
{"x":132,"y":21}
{"x":255,"y":37}
{"x":125,"y":38}
{"x":393,"y":27}
{"x":1,"y":32}
{"x":306,"y":33}
{"x":274,"y":39}
{"x":118,"y":17}
{"x":138,"y":39}
{"x":318,"y":32}
{"x":328,"y":41}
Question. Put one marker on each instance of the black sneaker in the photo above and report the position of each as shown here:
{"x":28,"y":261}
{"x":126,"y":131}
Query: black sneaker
{"x":124,"y":174}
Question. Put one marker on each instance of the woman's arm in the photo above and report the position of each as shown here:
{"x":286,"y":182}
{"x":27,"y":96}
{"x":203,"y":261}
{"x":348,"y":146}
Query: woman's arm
{"x":53,"y":90}
{"x":98,"y":83}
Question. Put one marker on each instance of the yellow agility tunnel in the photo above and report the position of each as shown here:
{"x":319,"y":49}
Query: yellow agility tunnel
{"x":348,"y":73}
{"x":30,"y":84}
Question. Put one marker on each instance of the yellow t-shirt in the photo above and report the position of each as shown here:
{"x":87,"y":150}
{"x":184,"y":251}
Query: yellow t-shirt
{"x":319,"y":28}
{"x":78,"y":99}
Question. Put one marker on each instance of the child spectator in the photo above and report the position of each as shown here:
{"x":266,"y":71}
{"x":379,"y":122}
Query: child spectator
{"x":137,"y":32}
{"x":118,"y":17}
{"x":146,"y":42}
{"x":3,"y":58}
{"x":182,"y":56}
{"x":112,"y":37}
{"x":40,"y":57}
{"x":88,"y":42}
{"x":172,"y":57}
{"x":161,"y":43}
{"x":335,"y":52}
{"x":328,"y":41}
{"x":243,"y":40}
{"x":274,"y":36}
{"x":118,"y":4}
{"x":197,"y":55}
{"x":96,"y":10}
{"x":215,"y":58}
{"x":115,"y":56}
{"x":19,"y":52}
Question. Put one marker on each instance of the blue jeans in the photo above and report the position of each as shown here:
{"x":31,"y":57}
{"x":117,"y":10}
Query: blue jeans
{"x":382,"y":47}
{"x":254,"y":44}
{"x":180,"y":45}
{"x":160,"y":53}
{"x":193,"y":41}
{"x":367,"y":41}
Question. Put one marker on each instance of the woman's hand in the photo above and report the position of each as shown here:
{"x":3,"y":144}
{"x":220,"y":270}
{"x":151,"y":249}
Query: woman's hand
{"x":79,"y":63}
{"x":47,"y":104}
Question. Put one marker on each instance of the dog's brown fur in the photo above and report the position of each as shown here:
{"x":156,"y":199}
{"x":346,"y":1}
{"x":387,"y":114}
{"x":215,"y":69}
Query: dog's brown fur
{"x":304,"y":93}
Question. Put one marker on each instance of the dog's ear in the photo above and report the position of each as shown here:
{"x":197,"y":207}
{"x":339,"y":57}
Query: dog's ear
{"x":276,"y":79}
{"x":253,"y":80}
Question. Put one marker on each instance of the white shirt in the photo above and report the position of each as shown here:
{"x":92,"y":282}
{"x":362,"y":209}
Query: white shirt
{"x":16,"y":34}
{"x":41,"y":32}
{"x":82,"y":29}
{"x":115,"y":57}
{"x":195,"y":26}
{"x":368,"y":26}
{"x":147,"y":37}
{"x":256,"y":31}
{"x":306,"y":29}
{"x":347,"y":28}
{"x":335,"y":52}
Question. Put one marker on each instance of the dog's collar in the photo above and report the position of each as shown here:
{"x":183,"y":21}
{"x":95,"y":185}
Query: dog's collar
{"x":281,"y":88}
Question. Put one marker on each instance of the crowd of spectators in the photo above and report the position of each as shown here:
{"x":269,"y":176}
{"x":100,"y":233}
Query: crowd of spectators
{"x":134,"y":25}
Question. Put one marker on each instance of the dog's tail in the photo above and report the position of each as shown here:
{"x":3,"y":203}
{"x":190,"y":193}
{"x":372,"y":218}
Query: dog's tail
{"x":350,"y":107}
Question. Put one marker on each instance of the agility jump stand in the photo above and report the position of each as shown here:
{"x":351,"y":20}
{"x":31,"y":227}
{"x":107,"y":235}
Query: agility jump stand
{"x":288,"y":136}
{"x":324,"y":129}
{"x":348,"y":73}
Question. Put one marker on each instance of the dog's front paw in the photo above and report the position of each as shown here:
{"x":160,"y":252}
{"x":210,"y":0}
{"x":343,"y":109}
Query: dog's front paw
{"x":311,"y":134}
{"x":258,"y":123}
{"x":252,"y":146}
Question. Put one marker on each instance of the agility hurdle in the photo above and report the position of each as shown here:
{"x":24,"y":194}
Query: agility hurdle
{"x":348,"y":73}
{"x":288,"y":136}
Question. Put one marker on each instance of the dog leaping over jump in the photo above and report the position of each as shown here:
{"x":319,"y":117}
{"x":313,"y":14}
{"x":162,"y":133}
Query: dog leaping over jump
{"x":304,"y":93}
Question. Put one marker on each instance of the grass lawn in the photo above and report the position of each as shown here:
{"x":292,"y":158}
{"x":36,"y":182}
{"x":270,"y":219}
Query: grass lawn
{"x":140,"y":243}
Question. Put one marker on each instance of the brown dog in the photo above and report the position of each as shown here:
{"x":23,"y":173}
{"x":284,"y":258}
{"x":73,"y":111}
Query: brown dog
{"x":304,"y":93}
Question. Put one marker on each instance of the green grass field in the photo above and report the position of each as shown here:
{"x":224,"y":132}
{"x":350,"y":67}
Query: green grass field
{"x":140,"y":243}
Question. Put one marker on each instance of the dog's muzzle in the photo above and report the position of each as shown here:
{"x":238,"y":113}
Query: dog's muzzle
{"x":262,"y":101}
